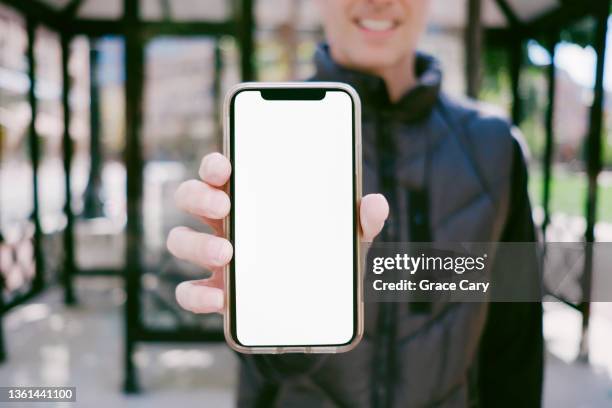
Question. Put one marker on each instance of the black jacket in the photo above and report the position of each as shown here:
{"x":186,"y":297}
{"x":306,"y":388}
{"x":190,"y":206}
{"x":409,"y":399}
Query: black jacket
{"x":451,"y":173}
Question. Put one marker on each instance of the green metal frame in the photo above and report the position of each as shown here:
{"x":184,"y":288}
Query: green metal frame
{"x":137,"y":32}
{"x":546,"y":28}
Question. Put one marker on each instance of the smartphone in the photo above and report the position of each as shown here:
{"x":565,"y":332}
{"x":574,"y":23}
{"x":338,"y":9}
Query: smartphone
{"x":294,"y":282}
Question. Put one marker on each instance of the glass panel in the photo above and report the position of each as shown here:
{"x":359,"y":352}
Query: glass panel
{"x":100,"y":195}
{"x":153,"y":9}
{"x":180,"y":125}
{"x":50,"y":127}
{"x":492,"y":16}
{"x":16,"y":187}
{"x":16,"y":169}
{"x":101,"y":9}
{"x":528,"y":10}
{"x":198,"y":10}
{"x":286,"y":38}
{"x":274,"y":13}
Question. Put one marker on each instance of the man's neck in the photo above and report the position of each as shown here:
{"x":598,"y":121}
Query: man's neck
{"x":399,"y":78}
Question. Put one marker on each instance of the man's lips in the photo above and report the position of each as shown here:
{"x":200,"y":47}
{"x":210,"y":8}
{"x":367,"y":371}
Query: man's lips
{"x":376,"y":25}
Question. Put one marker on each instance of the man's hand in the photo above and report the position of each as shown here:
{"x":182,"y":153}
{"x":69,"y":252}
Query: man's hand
{"x":209,"y":201}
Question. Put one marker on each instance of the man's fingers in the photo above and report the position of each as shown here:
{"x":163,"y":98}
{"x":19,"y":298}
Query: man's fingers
{"x":201,"y":296}
{"x":199,"y":248}
{"x":373,"y":213}
{"x":215,"y":225}
{"x":215,"y":169}
{"x":200,"y":199}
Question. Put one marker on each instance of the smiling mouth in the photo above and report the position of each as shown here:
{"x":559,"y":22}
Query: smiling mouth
{"x":376,"y":25}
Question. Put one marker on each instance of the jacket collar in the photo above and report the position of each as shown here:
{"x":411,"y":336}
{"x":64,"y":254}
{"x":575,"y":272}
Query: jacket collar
{"x":415,"y":104}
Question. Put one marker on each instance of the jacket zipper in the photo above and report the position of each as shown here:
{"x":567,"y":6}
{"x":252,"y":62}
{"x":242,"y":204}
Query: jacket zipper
{"x":384,"y":364}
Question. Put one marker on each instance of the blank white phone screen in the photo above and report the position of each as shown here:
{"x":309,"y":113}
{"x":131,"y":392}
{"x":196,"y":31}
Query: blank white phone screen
{"x":293,"y":204}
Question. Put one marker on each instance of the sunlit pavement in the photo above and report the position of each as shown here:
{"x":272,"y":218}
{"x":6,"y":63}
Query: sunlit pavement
{"x":50,"y":344}
{"x":570,"y":383}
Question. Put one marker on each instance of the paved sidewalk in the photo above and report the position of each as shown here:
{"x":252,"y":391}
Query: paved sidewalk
{"x":49,"y":344}
{"x":571,"y":383}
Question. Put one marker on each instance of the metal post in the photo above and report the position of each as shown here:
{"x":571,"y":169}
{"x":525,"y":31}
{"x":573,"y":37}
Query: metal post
{"x":246,"y":26}
{"x":69,"y":266}
{"x":93,"y":206}
{"x":516,"y":63}
{"x":594,"y":164}
{"x":33,"y":142}
{"x":549,"y":125}
{"x":134,"y":78}
{"x":2,"y":286}
{"x":473,"y":48}
{"x":2,"y":344}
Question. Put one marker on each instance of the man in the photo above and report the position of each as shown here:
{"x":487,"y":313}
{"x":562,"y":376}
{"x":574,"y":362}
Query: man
{"x":449,"y":173}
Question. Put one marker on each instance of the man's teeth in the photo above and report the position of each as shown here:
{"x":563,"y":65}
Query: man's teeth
{"x":376,"y":25}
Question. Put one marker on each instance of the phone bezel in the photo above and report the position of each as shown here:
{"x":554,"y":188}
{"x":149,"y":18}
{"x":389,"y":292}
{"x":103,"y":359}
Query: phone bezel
{"x":293,"y":88}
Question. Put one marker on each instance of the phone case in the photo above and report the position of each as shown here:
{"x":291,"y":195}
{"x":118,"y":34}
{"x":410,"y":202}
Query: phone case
{"x":227,"y":317}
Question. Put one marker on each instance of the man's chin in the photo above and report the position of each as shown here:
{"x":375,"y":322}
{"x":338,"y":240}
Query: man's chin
{"x":371,"y":61}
